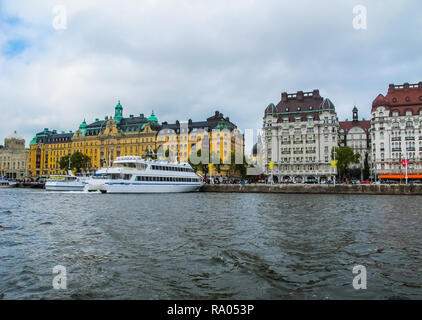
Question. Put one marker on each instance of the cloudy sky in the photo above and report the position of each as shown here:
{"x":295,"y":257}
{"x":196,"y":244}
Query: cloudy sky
{"x":187,"y":58}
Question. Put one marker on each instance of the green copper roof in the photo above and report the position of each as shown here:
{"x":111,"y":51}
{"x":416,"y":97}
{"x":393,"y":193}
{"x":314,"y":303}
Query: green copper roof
{"x":82,"y":125}
{"x":222,"y":125}
{"x":152,"y":118}
{"x":33,"y":141}
{"x":118,"y":113}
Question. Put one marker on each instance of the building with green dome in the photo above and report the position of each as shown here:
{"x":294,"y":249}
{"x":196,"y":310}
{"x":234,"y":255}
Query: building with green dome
{"x":102,"y":140}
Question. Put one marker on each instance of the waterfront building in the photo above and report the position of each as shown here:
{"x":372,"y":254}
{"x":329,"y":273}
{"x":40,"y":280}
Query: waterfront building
{"x":356,"y":135}
{"x":102,"y":140}
{"x":396,"y":127}
{"x":111,"y":137}
{"x":299,"y":134}
{"x":217,"y":138}
{"x":14,"y":158}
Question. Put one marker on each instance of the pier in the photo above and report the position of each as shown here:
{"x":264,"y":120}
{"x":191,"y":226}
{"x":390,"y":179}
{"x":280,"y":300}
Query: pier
{"x":381,"y":189}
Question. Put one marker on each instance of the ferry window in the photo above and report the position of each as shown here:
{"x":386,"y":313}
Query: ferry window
{"x":127,"y":177}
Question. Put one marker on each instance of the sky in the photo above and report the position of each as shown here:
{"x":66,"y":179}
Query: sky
{"x":185,"y":59}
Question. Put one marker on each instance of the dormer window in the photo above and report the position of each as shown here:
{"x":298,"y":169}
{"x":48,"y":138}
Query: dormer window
{"x":395,"y":114}
{"x":409,"y":113}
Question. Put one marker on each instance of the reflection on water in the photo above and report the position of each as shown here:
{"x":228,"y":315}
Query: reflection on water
{"x":209,"y":246}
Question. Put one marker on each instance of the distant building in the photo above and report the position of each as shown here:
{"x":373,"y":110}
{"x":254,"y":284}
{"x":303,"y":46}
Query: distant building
{"x":14,"y":157}
{"x":356,"y":135}
{"x":299,"y":135}
{"x":396,"y":128}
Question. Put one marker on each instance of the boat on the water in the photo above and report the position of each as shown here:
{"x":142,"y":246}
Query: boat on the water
{"x":4,"y":183}
{"x":133,"y":174}
{"x":68,"y":182}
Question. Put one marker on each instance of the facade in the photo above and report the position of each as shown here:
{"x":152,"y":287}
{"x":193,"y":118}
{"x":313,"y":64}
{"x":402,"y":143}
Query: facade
{"x":102,"y":140}
{"x":298,"y":137}
{"x":356,"y":135}
{"x":14,"y":158}
{"x":396,"y":127}
{"x":217,"y":138}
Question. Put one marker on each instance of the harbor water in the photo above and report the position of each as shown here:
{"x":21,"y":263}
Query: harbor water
{"x":209,"y":245}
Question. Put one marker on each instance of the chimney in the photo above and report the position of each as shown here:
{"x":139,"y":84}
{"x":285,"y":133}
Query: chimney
{"x":315,"y":93}
{"x":406,"y":86}
{"x":284,"y":97}
{"x":299,"y":95}
{"x":391,"y":87}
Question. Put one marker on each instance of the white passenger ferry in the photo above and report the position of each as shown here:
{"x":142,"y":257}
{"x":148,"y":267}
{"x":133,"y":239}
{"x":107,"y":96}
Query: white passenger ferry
{"x":68,"y":182}
{"x":132,"y":174}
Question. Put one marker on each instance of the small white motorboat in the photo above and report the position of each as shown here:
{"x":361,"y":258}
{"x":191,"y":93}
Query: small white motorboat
{"x":68,"y":182}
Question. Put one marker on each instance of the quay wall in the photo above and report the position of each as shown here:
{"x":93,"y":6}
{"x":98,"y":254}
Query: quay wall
{"x":381,"y":189}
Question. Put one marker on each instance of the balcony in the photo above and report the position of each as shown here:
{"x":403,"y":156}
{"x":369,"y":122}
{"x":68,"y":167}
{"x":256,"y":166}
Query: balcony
{"x":310,"y":151}
{"x":410,"y":138}
{"x":396,"y":139}
{"x":410,"y":149}
{"x":285,"y":152}
{"x":298,"y":152}
{"x":285,"y":142}
{"x":396,"y":149}
{"x":310,"y":141}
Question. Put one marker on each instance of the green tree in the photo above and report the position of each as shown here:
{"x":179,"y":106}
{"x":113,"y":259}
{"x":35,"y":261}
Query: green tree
{"x":203,"y":167}
{"x":238,"y":167}
{"x":345,"y":156}
{"x":366,"y":169}
{"x":78,"y":161}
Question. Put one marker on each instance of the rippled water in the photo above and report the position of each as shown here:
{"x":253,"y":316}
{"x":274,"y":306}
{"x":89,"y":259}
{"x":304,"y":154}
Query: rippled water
{"x":209,"y":245}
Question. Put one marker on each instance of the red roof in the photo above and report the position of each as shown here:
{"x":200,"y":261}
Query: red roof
{"x":347,"y":125}
{"x":401,"y":98}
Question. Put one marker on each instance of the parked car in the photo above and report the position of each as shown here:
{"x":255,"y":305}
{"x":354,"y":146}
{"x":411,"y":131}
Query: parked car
{"x":365,"y":182}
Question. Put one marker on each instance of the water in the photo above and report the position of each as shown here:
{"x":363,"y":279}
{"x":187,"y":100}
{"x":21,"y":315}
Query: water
{"x":209,"y":245}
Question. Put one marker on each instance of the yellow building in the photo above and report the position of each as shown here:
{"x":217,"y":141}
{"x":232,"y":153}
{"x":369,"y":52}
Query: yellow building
{"x":217,"y":138}
{"x":102,"y":140}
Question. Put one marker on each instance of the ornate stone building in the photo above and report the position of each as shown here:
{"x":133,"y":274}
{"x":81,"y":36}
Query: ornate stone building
{"x":356,"y":135}
{"x":298,"y":136}
{"x":397,"y":132}
{"x":14,"y":158}
{"x":102,"y":140}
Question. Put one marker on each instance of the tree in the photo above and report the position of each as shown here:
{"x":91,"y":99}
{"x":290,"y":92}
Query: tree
{"x":345,"y":156}
{"x":366,"y":169}
{"x":238,"y":167}
{"x":78,"y":161}
{"x":203,"y":167}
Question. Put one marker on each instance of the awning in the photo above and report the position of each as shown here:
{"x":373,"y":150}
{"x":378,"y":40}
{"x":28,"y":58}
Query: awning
{"x":400,"y":176}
